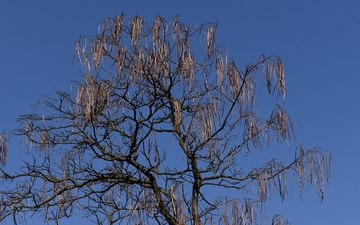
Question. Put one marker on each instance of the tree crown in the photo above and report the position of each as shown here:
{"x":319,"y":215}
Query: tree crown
{"x":151,"y":126}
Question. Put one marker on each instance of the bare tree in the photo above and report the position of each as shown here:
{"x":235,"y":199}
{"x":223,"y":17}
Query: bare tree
{"x":151,"y":128}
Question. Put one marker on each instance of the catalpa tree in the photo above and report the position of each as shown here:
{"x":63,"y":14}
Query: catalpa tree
{"x":152,"y":128}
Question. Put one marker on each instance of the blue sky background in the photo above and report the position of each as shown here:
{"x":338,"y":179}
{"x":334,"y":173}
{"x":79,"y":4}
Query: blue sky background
{"x":318,"y":42}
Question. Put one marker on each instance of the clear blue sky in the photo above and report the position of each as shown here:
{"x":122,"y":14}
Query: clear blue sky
{"x":318,"y":42}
